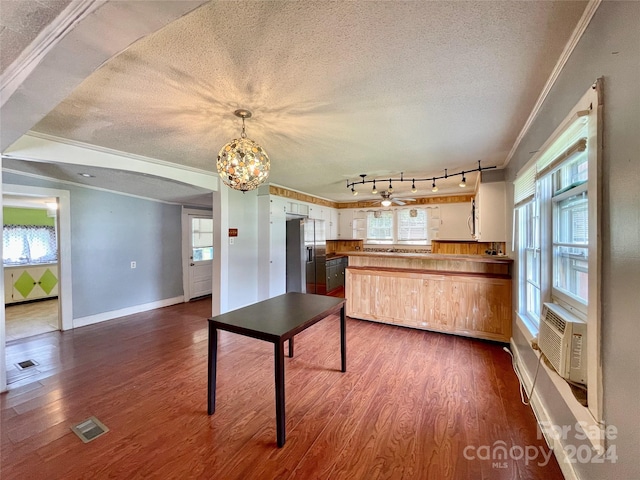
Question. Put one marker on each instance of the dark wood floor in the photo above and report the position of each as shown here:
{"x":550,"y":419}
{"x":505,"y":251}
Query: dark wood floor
{"x":408,"y":406}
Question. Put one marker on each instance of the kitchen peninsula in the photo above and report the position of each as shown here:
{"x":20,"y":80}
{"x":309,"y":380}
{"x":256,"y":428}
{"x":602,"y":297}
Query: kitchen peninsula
{"x":466,"y":295}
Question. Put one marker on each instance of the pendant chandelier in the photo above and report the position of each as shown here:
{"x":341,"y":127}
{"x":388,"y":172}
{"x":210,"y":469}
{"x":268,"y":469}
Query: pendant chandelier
{"x":242,"y":163}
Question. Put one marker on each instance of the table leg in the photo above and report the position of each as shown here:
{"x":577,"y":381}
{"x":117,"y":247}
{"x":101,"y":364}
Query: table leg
{"x":291,"y":347}
{"x":279,"y":368}
{"x":343,"y":339}
{"x":212,"y":364}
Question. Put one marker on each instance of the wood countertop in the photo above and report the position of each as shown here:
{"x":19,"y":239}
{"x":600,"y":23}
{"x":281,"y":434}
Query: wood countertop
{"x":434,"y":256}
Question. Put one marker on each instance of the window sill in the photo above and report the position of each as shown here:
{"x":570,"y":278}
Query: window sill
{"x":528,"y":328}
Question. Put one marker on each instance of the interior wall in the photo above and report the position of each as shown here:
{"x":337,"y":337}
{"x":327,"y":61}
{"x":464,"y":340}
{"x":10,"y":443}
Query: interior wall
{"x":243,"y":254}
{"x":108,"y":232}
{"x":609,"y":48}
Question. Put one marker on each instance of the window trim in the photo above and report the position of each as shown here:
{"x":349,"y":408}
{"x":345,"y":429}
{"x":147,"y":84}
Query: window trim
{"x":591,"y":103}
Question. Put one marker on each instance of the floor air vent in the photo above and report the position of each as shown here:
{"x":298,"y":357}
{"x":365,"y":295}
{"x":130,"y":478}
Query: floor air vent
{"x":26,"y":364}
{"x":90,"y":429}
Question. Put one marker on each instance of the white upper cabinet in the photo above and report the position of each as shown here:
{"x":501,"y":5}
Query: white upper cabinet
{"x":345,"y":225}
{"x":317,"y":212}
{"x":491,"y":212}
{"x":455,"y":222}
{"x":278,"y":206}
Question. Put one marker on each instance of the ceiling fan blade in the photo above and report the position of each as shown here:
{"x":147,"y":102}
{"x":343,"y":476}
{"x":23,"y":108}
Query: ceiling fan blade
{"x":397,"y":202}
{"x":408,"y":199}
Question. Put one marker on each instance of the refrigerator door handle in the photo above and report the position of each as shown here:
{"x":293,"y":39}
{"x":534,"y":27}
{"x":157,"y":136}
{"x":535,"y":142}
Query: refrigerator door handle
{"x":309,"y":254}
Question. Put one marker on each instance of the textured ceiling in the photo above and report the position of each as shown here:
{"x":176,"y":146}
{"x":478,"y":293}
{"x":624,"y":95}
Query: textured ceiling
{"x":336,"y":88}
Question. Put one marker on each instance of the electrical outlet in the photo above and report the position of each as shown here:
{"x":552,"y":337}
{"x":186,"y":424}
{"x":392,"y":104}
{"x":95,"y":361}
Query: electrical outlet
{"x":133,"y":264}
{"x":231,"y":241}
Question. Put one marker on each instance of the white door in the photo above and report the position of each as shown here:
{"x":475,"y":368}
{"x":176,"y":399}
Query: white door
{"x":200,"y":255}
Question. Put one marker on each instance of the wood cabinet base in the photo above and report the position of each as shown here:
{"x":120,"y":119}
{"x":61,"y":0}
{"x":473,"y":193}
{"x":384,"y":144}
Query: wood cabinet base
{"x":471,"y":305}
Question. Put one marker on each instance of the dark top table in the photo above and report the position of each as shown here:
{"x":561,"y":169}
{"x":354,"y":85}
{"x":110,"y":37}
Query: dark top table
{"x":275,"y":320}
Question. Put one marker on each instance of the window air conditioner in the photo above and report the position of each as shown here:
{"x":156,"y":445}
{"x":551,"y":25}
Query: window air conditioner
{"x":563,"y":340}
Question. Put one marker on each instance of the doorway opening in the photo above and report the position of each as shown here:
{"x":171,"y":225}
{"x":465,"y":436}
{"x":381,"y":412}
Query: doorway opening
{"x":65,"y":294}
{"x":30,"y":260}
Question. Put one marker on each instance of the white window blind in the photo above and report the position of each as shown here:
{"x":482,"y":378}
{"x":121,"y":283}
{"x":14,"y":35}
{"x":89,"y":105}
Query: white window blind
{"x":412,"y":225}
{"x":575,"y":149}
{"x":564,"y":145}
{"x":380,"y":226}
{"x":524,"y":187}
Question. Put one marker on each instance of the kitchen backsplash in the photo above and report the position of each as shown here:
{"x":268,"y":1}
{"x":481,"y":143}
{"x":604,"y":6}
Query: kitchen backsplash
{"x":398,"y":250}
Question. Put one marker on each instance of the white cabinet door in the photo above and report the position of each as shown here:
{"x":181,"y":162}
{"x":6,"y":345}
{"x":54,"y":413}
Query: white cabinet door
{"x":30,"y":282}
{"x":454,"y":221}
{"x":491,"y":205}
{"x":317,"y":212}
{"x":345,"y":225}
{"x":334,"y":220}
{"x":8,"y":286}
{"x":297,"y":208}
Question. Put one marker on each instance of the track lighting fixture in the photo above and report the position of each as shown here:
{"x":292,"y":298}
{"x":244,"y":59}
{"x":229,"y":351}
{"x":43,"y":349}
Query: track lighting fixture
{"x":434,"y":187}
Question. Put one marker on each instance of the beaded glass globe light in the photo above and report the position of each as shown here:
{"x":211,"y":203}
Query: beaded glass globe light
{"x":242,"y":163}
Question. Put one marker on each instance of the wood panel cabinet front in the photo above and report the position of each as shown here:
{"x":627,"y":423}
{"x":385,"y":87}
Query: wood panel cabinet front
{"x":475,"y":306}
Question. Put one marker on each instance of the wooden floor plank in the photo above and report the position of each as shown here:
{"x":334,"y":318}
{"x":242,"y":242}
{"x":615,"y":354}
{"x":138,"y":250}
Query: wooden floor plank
{"x":408,"y":405}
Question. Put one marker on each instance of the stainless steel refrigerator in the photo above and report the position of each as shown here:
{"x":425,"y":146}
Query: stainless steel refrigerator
{"x":306,"y":256}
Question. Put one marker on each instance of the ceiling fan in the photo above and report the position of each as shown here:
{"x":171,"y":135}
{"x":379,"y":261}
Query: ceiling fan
{"x":387,"y":200}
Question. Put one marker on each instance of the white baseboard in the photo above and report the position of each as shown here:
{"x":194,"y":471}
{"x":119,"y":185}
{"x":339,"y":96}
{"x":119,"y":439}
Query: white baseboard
{"x":542,"y":416}
{"x":123,"y":312}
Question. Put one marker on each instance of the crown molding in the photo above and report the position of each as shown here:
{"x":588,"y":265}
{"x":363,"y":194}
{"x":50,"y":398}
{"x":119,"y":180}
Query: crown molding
{"x":50,"y":35}
{"x":576,"y":35}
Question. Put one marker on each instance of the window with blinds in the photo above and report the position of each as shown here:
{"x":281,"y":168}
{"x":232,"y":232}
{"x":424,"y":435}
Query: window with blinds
{"x":570,"y":230}
{"x":524,"y":187}
{"x":412,"y":225}
{"x":380,"y":226}
{"x":557,"y":230}
{"x":551,"y":201}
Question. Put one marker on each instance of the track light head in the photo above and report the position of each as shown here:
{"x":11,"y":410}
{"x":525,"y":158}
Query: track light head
{"x":463,"y":182}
